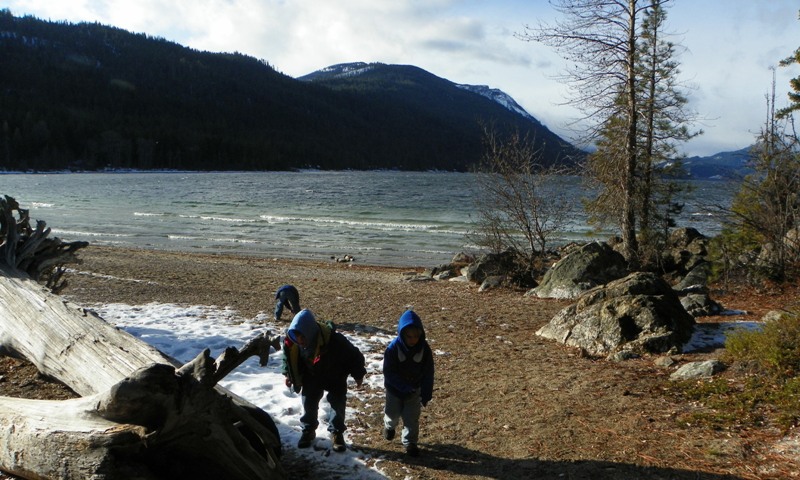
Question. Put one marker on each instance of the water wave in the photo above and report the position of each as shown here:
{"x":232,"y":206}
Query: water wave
{"x":395,"y":218}
{"x":365,"y":224}
{"x":148,"y":214}
{"x":77,"y":233}
{"x":233,"y":240}
{"x":219,"y":219}
{"x":182,"y":237}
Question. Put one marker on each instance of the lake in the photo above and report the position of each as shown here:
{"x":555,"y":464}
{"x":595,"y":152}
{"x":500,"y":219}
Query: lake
{"x":379,"y":217}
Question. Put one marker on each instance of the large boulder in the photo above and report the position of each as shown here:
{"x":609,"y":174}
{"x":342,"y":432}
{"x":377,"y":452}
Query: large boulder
{"x":686,"y":248}
{"x":639,"y":313}
{"x":593,"y":264}
{"x":490,"y":264}
{"x":446,"y":271}
{"x":770,"y":258}
{"x":692,"y":286}
{"x":695,"y":281}
{"x":695,"y":370}
{"x":700,"y":305}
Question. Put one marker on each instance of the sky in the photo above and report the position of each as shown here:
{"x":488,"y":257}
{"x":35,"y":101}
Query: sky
{"x":729,"y":46}
{"x":183,"y":331}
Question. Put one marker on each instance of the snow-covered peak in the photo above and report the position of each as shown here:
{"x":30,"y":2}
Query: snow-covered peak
{"x":498,"y":96}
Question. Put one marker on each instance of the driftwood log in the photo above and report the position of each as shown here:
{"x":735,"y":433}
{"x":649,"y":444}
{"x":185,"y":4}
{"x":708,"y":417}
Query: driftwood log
{"x":141,"y":414}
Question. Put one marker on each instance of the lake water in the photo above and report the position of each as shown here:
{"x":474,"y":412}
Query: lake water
{"x":380,"y":218}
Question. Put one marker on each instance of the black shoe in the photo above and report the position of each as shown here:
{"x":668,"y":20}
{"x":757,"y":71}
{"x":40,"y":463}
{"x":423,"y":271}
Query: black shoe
{"x":306,"y":438}
{"x":388,"y":433}
{"x":338,"y":442}
{"x":412,"y":450}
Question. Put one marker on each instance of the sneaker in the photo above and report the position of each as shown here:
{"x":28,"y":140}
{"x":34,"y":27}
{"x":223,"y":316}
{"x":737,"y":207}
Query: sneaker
{"x":388,"y":433}
{"x":338,"y":442}
{"x":306,"y":438}
{"x":412,"y":450}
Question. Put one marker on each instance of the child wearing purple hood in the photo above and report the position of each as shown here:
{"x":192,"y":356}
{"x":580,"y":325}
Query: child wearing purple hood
{"x":316,"y":359}
{"x":408,"y":378}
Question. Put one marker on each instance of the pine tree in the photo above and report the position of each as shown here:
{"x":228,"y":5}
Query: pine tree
{"x":794,"y":95}
{"x":626,"y":81}
{"x":666,"y":123}
{"x":767,"y":206}
{"x":599,"y":37}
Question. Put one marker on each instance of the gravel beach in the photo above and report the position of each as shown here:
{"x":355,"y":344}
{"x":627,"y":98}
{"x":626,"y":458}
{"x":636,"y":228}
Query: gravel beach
{"x":507,"y":403}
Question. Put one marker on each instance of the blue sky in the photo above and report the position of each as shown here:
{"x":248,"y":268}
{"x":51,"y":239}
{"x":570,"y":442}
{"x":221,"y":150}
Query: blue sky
{"x":730,"y":46}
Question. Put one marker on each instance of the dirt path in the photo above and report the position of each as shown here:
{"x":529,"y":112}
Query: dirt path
{"x":507,"y":404}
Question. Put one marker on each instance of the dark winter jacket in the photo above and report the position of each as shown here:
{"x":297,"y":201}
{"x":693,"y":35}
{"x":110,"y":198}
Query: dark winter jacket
{"x":288,"y":290}
{"x":287,"y":295}
{"x":408,"y":370}
{"x":328,"y":359}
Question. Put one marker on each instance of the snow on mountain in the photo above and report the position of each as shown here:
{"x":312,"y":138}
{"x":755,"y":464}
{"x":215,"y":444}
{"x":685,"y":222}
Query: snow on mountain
{"x":498,"y":96}
{"x":343,"y":70}
{"x":340,"y":70}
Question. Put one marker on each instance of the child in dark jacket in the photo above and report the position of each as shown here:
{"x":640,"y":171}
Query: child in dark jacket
{"x":408,"y":378}
{"x":316,"y":359}
{"x":286,"y":296}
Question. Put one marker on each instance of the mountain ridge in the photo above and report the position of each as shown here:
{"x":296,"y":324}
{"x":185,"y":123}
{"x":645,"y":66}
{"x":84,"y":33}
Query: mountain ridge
{"x":88,"y":96}
{"x":478,"y":106}
{"x":344,"y":70}
{"x":728,"y":165}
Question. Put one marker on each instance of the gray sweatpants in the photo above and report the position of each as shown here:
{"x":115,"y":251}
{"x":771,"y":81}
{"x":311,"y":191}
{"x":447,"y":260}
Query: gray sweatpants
{"x":409,"y":410}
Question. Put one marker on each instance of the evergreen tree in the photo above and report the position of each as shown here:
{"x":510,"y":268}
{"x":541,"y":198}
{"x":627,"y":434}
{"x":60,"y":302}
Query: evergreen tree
{"x":794,"y":95}
{"x":766,"y":209}
{"x":627,"y":79}
{"x":599,"y":37}
{"x":666,"y":123}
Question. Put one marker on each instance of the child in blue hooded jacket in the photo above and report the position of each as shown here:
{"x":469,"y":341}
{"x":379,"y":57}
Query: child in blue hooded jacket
{"x":408,"y":378}
{"x":316,"y":359}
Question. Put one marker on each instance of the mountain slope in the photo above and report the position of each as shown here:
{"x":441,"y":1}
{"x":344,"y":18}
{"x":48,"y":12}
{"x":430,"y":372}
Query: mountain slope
{"x":723,"y":165}
{"x":500,"y":97}
{"x":90,"y":96}
{"x":455,"y":111}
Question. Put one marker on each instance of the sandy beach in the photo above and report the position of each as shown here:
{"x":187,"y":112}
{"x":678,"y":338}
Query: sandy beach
{"x":507,"y":403}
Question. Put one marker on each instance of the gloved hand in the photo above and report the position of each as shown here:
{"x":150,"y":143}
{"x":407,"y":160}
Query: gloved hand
{"x":288,"y":382}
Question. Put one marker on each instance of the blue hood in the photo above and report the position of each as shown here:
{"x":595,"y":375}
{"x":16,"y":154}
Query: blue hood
{"x":304,"y":322}
{"x":409,"y":318}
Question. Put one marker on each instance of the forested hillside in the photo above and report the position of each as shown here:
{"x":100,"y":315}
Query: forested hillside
{"x":89,"y":96}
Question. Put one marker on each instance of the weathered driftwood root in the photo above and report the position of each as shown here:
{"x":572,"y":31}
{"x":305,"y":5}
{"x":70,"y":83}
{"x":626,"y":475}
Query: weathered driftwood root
{"x":187,"y":419}
{"x":142,"y":414}
{"x":29,"y":250}
{"x":62,"y":439}
{"x":157,"y":423}
{"x":209,"y":372}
